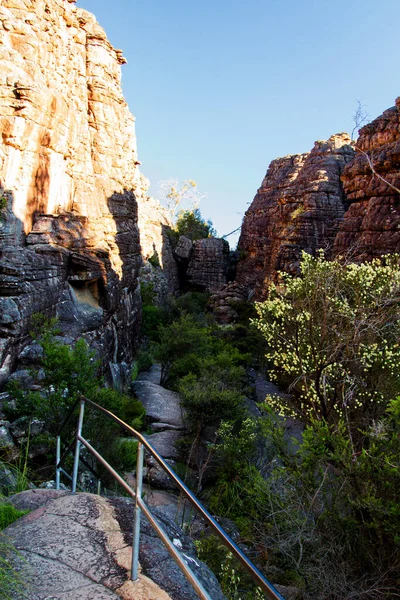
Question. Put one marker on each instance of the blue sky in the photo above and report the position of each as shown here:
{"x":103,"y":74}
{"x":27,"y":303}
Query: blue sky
{"x":220,"y":88}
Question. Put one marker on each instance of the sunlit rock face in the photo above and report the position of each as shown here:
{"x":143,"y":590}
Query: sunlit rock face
{"x":69,"y":181}
{"x":371,"y":226}
{"x":299,"y":206}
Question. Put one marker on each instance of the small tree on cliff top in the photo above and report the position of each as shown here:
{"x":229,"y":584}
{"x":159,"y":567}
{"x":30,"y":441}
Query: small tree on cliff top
{"x":191,"y":224}
{"x":178,"y":196}
{"x":333,"y":339}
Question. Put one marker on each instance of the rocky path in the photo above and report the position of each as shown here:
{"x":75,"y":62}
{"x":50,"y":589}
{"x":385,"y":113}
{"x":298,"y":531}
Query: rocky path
{"x":72,"y":548}
{"x":163,"y":410}
{"x":79,"y":547}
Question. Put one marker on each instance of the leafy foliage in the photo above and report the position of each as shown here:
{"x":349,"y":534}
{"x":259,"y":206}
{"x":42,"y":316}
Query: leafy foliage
{"x":333,"y":339}
{"x":9,"y":514}
{"x":191,"y":224}
{"x":11,"y":583}
{"x":67,"y":373}
{"x":181,"y":346}
{"x":234,"y":580}
{"x":3,"y":205}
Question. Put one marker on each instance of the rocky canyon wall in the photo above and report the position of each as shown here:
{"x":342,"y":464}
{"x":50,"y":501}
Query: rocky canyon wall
{"x":371,"y":226}
{"x":69,"y":181}
{"x":299,"y":206}
{"x":328,"y":198}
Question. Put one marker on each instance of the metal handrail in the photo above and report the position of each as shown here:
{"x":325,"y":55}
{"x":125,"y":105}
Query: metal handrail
{"x":254,"y":572}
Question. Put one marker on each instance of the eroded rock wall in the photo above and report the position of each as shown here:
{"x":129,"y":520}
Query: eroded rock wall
{"x":299,"y":206}
{"x":371,"y":226}
{"x":69,"y":181}
{"x":208,"y":265}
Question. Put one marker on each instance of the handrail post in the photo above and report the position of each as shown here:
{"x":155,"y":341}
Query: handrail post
{"x":58,"y":458}
{"x":136,"y":526}
{"x":78,"y":447}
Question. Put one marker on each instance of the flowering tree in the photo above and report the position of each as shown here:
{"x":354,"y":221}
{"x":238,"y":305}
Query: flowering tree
{"x":333,"y":338}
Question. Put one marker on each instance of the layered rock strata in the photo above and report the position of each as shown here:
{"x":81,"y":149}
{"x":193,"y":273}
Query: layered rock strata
{"x":224,"y":302}
{"x":371,"y":226}
{"x":69,"y":181}
{"x":203,"y":264}
{"x":299,"y":206}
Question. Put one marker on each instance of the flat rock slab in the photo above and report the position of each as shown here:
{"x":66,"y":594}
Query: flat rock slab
{"x":153,"y":375}
{"x":155,"y":559}
{"x":72,"y":548}
{"x":161,"y":405}
{"x":37,"y":498}
{"x":164,"y":442}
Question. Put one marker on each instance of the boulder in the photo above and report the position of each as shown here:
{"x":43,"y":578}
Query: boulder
{"x":161,"y":405}
{"x":6,"y":440}
{"x":164,"y":442}
{"x":208,"y":265}
{"x":183,"y":250}
{"x":79,"y":546}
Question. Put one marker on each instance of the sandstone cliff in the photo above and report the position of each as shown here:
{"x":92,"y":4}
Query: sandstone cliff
{"x":298,"y":207}
{"x":371,"y":226}
{"x":69,"y":181}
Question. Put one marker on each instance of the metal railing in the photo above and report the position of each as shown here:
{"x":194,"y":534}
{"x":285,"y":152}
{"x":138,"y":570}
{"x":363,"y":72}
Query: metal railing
{"x":140,"y":506}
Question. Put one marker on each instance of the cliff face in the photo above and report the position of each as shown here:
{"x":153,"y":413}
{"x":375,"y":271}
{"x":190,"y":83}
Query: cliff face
{"x":371,"y":226}
{"x":329,"y":198}
{"x":298,"y":207}
{"x":69,"y":181}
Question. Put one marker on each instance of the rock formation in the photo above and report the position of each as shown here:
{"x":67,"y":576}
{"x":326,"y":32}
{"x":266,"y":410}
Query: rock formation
{"x":371,"y":226}
{"x":298,"y":207}
{"x":80,"y":546}
{"x":208,"y":264}
{"x":69,"y":181}
{"x":224,"y":302}
{"x":203,"y":264}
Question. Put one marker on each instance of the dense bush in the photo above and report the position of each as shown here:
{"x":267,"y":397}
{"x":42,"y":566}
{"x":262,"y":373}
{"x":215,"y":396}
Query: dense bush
{"x":67,"y":372}
{"x":332,"y":335}
{"x":11,"y":583}
{"x":325,"y":519}
{"x":191,"y":224}
{"x":181,"y":346}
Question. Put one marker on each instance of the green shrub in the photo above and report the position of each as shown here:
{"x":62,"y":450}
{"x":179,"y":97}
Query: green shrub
{"x":144,"y":359}
{"x":207,"y":400}
{"x":191,"y":224}
{"x":181,"y":345}
{"x":3,"y":206}
{"x":191,"y":303}
{"x":12,"y":584}
{"x":152,"y":320}
{"x":154,"y":259}
{"x":327,"y":518}
{"x":236,"y":584}
{"x":332,"y":335}
{"x":127,"y":454}
{"x":9,"y":514}
{"x":125,"y":407}
{"x":70,"y":372}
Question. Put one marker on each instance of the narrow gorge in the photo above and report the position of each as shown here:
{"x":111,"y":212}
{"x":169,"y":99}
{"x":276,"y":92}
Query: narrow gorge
{"x":194,"y":344}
